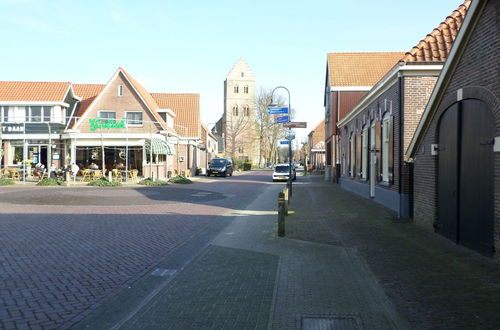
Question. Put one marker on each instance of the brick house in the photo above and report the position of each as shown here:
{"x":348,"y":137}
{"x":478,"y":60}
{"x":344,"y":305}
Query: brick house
{"x":349,"y":77}
{"x":316,"y":144}
{"x":456,"y":148}
{"x":375,"y":134}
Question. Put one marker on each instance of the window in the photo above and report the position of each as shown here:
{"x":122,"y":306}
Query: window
{"x":246,"y":110}
{"x":109,"y":116}
{"x":352,"y":154}
{"x":134,"y":118}
{"x":46,"y":114}
{"x":236,"y":89}
{"x":245,"y":89}
{"x":120,"y":90}
{"x":235,"y":110}
{"x":35,"y":114}
{"x":364,"y":153}
{"x":242,"y":74}
{"x":5,"y":114}
{"x":386,"y":146}
{"x":163,"y":116}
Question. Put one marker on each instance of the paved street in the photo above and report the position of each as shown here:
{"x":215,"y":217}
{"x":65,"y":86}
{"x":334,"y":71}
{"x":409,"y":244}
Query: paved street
{"x":206,"y":256}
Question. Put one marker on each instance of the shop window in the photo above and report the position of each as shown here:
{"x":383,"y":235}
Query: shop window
{"x":134,"y":118}
{"x":157,"y":159}
{"x":364,"y":153}
{"x":17,"y":155}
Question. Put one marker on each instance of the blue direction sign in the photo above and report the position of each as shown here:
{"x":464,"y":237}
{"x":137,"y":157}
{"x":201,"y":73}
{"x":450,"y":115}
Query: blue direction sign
{"x":282,"y":119}
{"x":284,"y":142}
{"x":277,"y":111}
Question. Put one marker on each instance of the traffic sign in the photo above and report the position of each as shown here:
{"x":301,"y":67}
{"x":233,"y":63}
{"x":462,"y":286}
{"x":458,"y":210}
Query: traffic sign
{"x":284,"y":142}
{"x":296,"y":124}
{"x":282,"y":119}
{"x":277,"y":110}
{"x":289,"y":135}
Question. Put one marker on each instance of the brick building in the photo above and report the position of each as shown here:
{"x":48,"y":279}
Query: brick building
{"x":349,"y":77}
{"x":375,"y":134}
{"x":456,"y":148}
{"x":316,"y":143}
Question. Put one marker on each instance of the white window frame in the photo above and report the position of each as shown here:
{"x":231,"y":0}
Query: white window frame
{"x":352,"y":154}
{"x":134,"y":125}
{"x":385,"y":147}
{"x":364,"y":152}
{"x":107,"y":111}
{"x":120,"y":90}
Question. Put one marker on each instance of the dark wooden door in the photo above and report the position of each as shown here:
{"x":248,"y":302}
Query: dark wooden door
{"x":466,"y":174}
{"x":447,"y":224}
{"x":476,"y":203}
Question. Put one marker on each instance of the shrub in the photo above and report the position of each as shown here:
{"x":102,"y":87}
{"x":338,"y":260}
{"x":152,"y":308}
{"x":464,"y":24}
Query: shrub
{"x":151,"y":182}
{"x":103,"y":182}
{"x":180,"y":179}
{"x":247,"y":166}
{"x":49,"y":182}
{"x":6,"y":182}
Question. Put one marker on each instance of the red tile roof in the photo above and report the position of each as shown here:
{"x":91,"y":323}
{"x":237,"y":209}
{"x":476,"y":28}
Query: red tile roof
{"x":186,"y":108}
{"x":436,"y":46}
{"x":88,"y":93}
{"x":33,"y":91}
{"x":359,"y":69}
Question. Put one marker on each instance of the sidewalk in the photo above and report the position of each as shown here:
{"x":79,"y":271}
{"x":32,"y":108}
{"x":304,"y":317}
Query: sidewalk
{"x":434,"y":283}
{"x":247,"y":278}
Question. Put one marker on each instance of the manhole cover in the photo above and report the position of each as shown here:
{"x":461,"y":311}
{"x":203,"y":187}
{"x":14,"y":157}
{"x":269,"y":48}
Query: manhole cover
{"x":337,"y":322}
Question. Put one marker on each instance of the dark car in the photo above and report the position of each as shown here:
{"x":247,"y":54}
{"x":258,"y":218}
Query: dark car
{"x":220,"y":167}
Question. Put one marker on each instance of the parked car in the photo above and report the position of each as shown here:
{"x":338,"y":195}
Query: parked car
{"x":282,"y":172}
{"x":220,"y":167}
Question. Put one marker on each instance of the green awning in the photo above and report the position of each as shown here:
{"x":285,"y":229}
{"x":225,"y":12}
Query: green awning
{"x":159,"y":147}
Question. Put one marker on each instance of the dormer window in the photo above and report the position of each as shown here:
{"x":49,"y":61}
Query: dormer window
{"x":120,"y":90}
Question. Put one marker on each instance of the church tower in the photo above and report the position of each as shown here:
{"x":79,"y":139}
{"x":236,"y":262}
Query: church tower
{"x":238,"y":123}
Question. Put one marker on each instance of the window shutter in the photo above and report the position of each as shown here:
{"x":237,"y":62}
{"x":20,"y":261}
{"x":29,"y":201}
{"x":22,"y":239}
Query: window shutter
{"x":378,"y":151}
{"x":391,"y":150}
{"x":358,"y":154}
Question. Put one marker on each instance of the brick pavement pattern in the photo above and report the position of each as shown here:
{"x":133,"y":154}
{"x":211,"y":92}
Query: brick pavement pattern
{"x":224,"y":288}
{"x":433,"y":283}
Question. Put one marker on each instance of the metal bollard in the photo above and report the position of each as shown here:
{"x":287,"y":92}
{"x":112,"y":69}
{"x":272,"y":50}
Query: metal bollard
{"x":281,"y":214}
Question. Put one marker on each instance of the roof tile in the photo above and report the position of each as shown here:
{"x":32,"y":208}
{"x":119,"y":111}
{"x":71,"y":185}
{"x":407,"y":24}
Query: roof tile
{"x":33,"y":91}
{"x":186,"y":108}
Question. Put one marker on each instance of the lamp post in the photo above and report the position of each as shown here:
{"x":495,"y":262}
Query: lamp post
{"x":206,"y":145}
{"x":289,"y":137}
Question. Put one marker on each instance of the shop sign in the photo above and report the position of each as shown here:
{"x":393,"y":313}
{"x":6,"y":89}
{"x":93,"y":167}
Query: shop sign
{"x":9,"y":128}
{"x":96,"y":124}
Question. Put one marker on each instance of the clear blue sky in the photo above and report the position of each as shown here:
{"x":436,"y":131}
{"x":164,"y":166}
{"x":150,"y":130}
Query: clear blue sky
{"x":189,"y":46}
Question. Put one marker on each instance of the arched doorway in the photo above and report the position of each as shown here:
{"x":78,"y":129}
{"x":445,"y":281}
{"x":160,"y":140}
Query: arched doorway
{"x":466,"y":175}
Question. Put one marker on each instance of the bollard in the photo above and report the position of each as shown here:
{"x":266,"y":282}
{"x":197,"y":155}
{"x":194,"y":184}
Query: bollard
{"x":281,"y":214}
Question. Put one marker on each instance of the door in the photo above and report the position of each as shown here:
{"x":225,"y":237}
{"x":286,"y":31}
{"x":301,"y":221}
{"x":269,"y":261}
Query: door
{"x":373,"y":160}
{"x":466,"y":175}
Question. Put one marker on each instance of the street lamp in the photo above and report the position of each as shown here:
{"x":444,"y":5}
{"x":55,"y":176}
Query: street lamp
{"x":290,"y":137}
{"x":206,"y":144}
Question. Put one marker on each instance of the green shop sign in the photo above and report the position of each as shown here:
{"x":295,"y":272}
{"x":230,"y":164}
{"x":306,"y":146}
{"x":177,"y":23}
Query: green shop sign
{"x":98,"y":124}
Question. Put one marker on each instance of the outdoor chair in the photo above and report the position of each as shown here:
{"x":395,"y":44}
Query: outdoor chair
{"x":116,"y":175}
{"x":14,"y":174}
{"x":133,"y":174}
{"x":96,"y":174}
{"x":86,"y":175}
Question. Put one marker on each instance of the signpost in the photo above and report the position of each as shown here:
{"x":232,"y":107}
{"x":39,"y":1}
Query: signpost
{"x":282,"y":119}
{"x":277,"y":110}
{"x":296,"y":124}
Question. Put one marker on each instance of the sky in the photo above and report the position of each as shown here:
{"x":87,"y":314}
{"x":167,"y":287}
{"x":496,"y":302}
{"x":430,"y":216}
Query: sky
{"x":189,"y":46}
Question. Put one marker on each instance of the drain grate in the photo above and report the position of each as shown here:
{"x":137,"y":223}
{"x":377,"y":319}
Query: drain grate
{"x":163,"y":272}
{"x":332,"y":322}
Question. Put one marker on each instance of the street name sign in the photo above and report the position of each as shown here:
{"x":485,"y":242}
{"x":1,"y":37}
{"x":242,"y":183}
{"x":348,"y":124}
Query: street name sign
{"x":296,"y":124}
{"x":284,"y":142}
{"x":277,"y":110}
{"x":282,"y":119}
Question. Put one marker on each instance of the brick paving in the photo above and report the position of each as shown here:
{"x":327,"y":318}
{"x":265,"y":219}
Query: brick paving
{"x":433,"y":283}
{"x":60,"y":262}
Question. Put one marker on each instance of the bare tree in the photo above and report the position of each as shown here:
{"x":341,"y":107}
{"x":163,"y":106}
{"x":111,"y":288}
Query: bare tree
{"x":269,"y":131}
{"x":240,"y":129}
